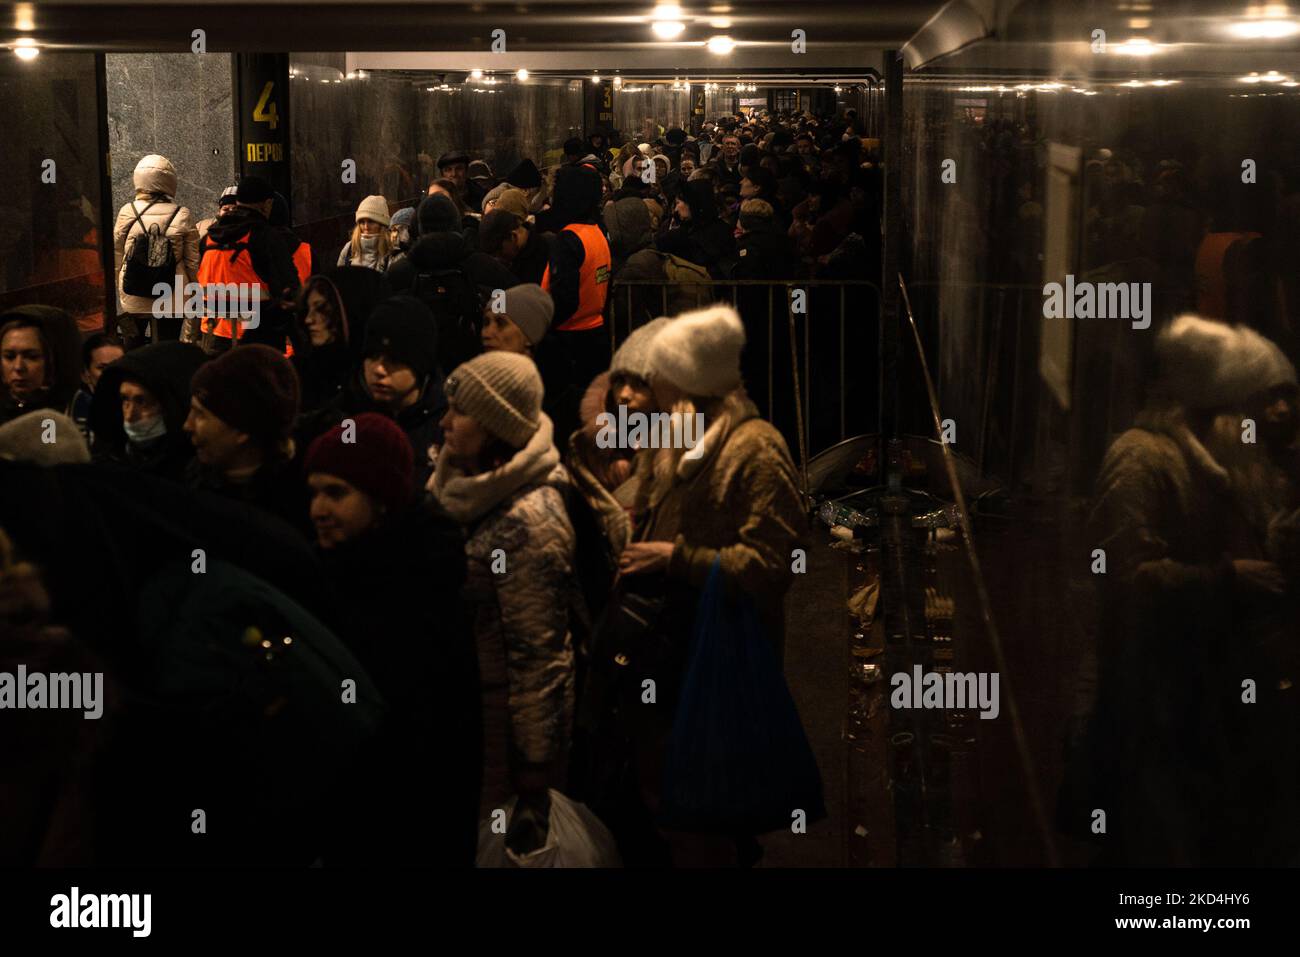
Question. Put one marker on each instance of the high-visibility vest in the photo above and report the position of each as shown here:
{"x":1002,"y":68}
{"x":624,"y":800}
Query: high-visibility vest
{"x":302,"y":262}
{"x":593,"y":279}
{"x":222,"y":265}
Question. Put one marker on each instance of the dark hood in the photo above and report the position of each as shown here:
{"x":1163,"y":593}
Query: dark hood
{"x":437,"y":214}
{"x":235,"y":224}
{"x":62,"y":340}
{"x":355,"y":291}
{"x":165,"y":369}
{"x":439,"y":251}
{"x":576,"y":197}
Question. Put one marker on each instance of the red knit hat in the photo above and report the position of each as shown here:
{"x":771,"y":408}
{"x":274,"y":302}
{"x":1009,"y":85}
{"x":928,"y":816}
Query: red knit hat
{"x":378,"y":460}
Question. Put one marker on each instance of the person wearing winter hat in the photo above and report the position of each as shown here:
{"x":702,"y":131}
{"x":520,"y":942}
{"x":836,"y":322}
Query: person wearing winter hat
{"x":440,"y":250}
{"x":499,"y":475}
{"x":401,"y":231}
{"x":138,"y":414}
{"x":454,"y":166}
{"x":520,"y":323}
{"x":370,"y":245}
{"x":154,"y":205}
{"x":396,"y":570}
{"x":525,"y":176}
{"x":1184,"y":508}
{"x":397,"y":376}
{"x":507,"y":198}
{"x":731,"y":495}
{"x":242,"y":408}
{"x":513,"y":241}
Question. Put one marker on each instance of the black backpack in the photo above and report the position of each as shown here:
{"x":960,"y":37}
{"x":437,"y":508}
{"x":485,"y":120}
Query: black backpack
{"x":454,"y":302}
{"x":152,"y":260}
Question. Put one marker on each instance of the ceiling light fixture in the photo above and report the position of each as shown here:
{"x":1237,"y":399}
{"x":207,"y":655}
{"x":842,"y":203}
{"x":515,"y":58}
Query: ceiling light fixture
{"x":720,"y":46}
{"x":25,"y":48}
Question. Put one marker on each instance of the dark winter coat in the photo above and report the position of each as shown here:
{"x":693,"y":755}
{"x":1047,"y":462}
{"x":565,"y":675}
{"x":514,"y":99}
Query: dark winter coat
{"x":703,"y":239}
{"x":448,"y":250}
{"x":529,"y":265}
{"x":1168,"y":742}
{"x":420,"y":421}
{"x":276,"y":488}
{"x":400,"y":613}
{"x":165,"y":369}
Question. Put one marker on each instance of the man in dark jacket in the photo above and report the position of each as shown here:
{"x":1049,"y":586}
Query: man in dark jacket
{"x":138,"y":414}
{"x":397,"y":570}
{"x":242,"y":408}
{"x":507,"y":236}
{"x":399,"y":377}
{"x":695,"y":232}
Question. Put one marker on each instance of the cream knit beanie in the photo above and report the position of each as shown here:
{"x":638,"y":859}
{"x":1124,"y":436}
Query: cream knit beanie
{"x":699,"y":351}
{"x":502,"y":391}
{"x":376,"y":208}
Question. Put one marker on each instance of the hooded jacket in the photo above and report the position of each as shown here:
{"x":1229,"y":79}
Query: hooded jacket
{"x":165,"y":369}
{"x":61,"y":340}
{"x":323,"y":370}
{"x":155,"y":181}
{"x":442,"y":245}
{"x":521,"y":615}
{"x":703,"y":239}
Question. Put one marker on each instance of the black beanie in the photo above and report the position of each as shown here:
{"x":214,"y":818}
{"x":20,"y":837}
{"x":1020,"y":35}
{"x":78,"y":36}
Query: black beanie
{"x":403,"y":329}
{"x":253,"y":189}
{"x":252,"y":389}
{"x":437,"y":214}
{"x":526,"y":175}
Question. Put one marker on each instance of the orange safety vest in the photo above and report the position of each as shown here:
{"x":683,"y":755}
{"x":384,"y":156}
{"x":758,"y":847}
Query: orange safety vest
{"x":593,"y":279}
{"x":230,"y":264}
{"x":302,"y":262}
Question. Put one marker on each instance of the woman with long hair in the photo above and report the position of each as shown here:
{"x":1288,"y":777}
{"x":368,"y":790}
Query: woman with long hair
{"x":370,"y":245}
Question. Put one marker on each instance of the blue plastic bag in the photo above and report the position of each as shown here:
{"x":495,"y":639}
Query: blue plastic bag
{"x":738,"y":760}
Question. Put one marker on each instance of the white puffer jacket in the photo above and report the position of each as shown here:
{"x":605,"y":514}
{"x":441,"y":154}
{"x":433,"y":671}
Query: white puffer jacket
{"x":155,"y":180}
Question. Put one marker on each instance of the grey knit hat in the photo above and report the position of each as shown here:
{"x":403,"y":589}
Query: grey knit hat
{"x":502,"y":391}
{"x":530,"y":307}
{"x":43,"y":437}
{"x":633,"y":356}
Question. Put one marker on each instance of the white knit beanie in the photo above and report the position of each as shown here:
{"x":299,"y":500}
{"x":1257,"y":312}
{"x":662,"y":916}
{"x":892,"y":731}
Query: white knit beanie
{"x":633,"y":356}
{"x":699,"y":351}
{"x":1207,"y":364}
{"x":376,"y":208}
{"x":502,"y":391}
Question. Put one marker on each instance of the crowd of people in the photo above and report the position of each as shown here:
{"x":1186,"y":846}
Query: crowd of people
{"x":396,"y":465}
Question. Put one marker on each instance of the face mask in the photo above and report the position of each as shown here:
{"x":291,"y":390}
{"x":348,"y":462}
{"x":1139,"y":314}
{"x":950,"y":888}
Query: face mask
{"x":141,"y":433}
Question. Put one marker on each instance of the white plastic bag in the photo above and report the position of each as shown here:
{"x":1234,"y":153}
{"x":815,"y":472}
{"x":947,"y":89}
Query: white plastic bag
{"x":576,"y":838}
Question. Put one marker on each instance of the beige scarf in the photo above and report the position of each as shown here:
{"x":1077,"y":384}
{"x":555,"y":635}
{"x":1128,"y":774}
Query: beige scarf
{"x":467,"y":498}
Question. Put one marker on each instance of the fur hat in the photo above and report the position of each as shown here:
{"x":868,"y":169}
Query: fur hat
{"x":378,"y":463}
{"x":699,"y":351}
{"x":376,"y":208}
{"x":23,"y":439}
{"x":633,"y":356}
{"x":502,"y":391}
{"x":1207,"y":364}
